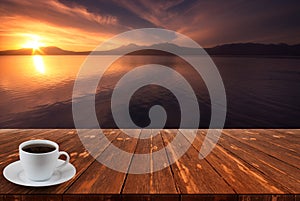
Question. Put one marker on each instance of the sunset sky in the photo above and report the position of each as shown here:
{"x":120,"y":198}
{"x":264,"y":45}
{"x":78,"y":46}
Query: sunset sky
{"x":81,"y":25}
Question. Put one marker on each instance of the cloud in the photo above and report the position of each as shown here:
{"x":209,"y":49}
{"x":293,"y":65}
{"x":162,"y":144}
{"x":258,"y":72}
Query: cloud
{"x":57,"y":22}
{"x":82,"y":25}
{"x":217,"y":22}
{"x":154,"y":11}
{"x":56,"y":13}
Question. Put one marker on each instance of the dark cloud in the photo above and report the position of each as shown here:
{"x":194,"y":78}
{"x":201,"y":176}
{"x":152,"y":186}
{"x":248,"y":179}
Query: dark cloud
{"x":210,"y":22}
{"x":125,"y":16}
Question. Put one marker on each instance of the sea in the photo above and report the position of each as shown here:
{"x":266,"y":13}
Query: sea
{"x":261,"y":92}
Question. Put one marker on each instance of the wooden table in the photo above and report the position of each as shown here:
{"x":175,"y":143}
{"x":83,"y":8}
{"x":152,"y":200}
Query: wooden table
{"x":249,"y":164}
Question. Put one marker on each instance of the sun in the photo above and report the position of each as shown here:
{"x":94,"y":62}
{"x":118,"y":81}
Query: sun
{"x":33,"y":43}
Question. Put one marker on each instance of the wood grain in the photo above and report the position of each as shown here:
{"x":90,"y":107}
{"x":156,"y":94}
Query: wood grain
{"x":160,"y":182}
{"x":279,"y":152}
{"x":192,"y":174}
{"x":239,"y":166}
{"x":99,"y":179}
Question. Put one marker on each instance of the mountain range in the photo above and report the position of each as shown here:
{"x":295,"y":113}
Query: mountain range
{"x":235,"y":49}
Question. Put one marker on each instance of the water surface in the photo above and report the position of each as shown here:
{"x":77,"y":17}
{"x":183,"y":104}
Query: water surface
{"x":36,"y":91}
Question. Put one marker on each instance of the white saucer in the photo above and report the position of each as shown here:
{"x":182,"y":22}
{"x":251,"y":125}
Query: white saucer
{"x":15,"y":174}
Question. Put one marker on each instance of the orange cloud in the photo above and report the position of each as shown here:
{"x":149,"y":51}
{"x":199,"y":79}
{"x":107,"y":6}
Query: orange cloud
{"x":55,"y":23}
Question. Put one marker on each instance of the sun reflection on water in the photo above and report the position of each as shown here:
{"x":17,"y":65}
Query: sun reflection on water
{"x":39,"y":64}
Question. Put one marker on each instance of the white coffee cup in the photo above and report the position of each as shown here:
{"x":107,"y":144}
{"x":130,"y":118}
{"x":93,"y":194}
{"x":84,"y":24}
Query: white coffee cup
{"x":40,"y":166}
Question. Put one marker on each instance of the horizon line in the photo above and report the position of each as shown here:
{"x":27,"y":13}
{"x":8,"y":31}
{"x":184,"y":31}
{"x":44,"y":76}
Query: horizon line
{"x":223,"y":44}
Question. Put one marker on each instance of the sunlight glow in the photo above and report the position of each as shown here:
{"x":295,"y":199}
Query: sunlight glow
{"x":33,"y":42}
{"x":39,"y":64}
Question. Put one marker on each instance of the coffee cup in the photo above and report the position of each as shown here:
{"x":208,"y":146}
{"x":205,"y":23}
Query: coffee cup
{"x":39,"y":159}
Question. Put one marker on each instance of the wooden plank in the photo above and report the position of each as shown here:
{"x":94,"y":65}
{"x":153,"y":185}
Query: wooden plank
{"x":8,"y":134}
{"x":283,"y":197}
{"x":8,"y":130}
{"x":203,"y":197}
{"x":241,"y":176}
{"x":277,"y":170}
{"x":159,"y":182}
{"x":10,"y":198}
{"x":265,"y":146}
{"x":291,"y":143}
{"x":191,"y":174}
{"x":255,"y":198}
{"x":295,"y":133}
{"x":87,"y":197}
{"x":41,"y":197}
{"x":279,"y":138}
{"x":106,"y":180}
{"x":150,"y":197}
{"x":266,"y":197}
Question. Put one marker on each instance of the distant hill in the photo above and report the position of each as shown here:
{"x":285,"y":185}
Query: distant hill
{"x":149,"y":50}
{"x":255,"y":49}
{"x":235,"y":49}
{"x":51,"y":50}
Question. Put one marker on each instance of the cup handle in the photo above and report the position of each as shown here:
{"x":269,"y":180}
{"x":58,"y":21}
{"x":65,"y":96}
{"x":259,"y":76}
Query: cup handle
{"x":66,"y":161}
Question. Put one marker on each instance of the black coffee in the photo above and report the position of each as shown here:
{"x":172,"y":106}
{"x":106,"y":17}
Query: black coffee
{"x":38,"y":148}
